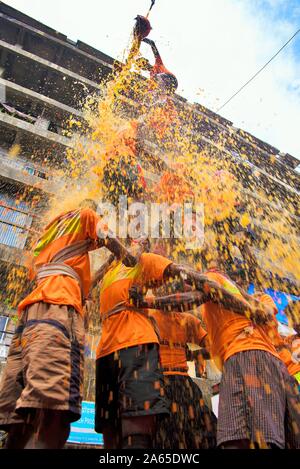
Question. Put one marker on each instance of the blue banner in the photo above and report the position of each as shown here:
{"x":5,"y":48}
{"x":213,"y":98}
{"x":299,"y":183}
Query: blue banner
{"x":82,"y":431}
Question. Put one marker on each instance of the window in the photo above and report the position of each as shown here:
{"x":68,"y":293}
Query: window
{"x":14,"y":222}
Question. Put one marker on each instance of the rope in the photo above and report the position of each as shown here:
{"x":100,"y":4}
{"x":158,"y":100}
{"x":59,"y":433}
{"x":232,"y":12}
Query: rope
{"x":259,"y":71}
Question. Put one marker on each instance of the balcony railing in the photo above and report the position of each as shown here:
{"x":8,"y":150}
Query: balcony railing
{"x":30,"y":168}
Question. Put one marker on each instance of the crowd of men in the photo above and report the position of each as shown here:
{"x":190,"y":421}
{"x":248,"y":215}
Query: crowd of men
{"x":144,"y":395}
{"x":150,"y":309}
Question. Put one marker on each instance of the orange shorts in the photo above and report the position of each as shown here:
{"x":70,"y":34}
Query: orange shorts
{"x":44,"y":367}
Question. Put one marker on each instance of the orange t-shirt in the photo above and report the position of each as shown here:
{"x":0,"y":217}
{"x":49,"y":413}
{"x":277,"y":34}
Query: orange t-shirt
{"x":128,"y":328}
{"x":176,"y":329}
{"x":284,"y":353}
{"x":64,"y":230}
{"x":229,"y":332}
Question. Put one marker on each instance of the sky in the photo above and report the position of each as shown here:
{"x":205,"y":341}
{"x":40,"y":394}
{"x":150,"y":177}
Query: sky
{"x":212,"y":46}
